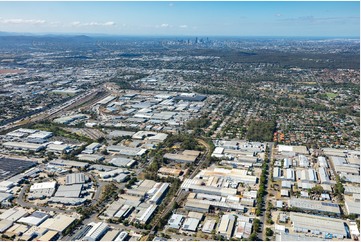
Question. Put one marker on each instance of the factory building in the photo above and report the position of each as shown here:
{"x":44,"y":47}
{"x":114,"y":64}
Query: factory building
{"x":96,"y":232}
{"x":318,"y":225}
{"x":190,"y":224}
{"x":159,"y":194}
{"x":315,"y":206}
{"x":24,"y":146}
{"x":226,"y":226}
{"x":75,"y":178}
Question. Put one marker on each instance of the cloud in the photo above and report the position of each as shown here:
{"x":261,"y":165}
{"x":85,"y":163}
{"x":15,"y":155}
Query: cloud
{"x":77,"y":24}
{"x":164,"y":25}
{"x":171,"y":4}
{"x":22,"y":21}
{"x":278,"y":15}
{"x":183,"y":26}
{"x":316,"y":20}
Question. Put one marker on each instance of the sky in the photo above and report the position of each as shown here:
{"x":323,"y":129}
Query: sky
{"x":333,"y":18}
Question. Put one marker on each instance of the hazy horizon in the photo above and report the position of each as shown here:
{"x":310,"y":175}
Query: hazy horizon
{"x":238,"y":19}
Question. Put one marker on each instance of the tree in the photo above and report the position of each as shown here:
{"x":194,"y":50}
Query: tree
{"x":269,"y":232}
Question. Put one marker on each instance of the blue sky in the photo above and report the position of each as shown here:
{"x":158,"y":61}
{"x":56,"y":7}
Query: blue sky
{"x":184,"y":18}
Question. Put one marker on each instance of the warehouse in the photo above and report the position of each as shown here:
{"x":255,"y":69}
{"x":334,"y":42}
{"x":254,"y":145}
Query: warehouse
{"x":243,"y":230}
{"x":124,"y":211}
{"x":13,"y":214}
{"x":290,"y":175}
{"x":69,"y":163}
{"x":42,"y":190}
{"x":69,"y":119}
{"x":190,"y":224}
{"x":110,"y":235}
{"x":159,"y":194}
{"x":175,"y":221}
{"x":16,"y":230}
{"x":315,"y":206}
{"x":209,"y":226}
{"x":90,"y":157}
{"x":324,"y":178}
{"x":303,"y":161}
{"x":58,"y":148}
{"x":122,"y":162}
{"x":352,"y":204}
{"x":40,"y":135}
{"x":34,"y":219}
{"x":318,"y":225}
{"x":120,"y":133}
{"x":226,"y":226}
{"x":322,"y":162}
{"x":59,"y":223}
{"x":6,"y":185}
{"x":276,"y":173}
{"x":24,"y":146}
{"x":5,"y":224}
{"x":75,"y":178}
{"x":90,"y":149}
{"x":196,"y":206}
{"x":72,"y":191}
{"x":106,"y":100}
{"x":49,"y":236}
{"x":127,"y":151}
{"x":219,"y":204}
{"x":218,"y":152}
{"x":235,"y":175}
{"x":96,"y":232}
{"x":249,"y":202}
{"x":72,"y":201}
{"x":170,"y":171}
{"x":146,"y":214}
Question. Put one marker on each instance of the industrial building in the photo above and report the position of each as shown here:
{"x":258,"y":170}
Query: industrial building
{"x":34,"y":219}
{"x":323,"y":175}
{"x":127,"y":151}
{"x":75,"y":178}
{"x":318,"y":225}
{"x":226,"y":226}
{"x":158,"y":195}
{"x":315,"y":206}
{"x":59,"y":223}
{"x":175,"y":221}
{"x":13,"y":214}
{"x":352,"y":204}
{"x":24,"y":146}
{"x":122,"y":162}
{"x":196,"y":206}
{"x":70,"y":119}
{"x":42,"y":190}
{"x":208,"y":226}
{"x":96,"y":232}
{"x":187,"y":156}
{"x":69,"y":163}
{"x":70,"y":191}
{"x":146,"y":214}
{"x":322,"y":162}
{"x":190,"y":224}
{"x":170,"y":171}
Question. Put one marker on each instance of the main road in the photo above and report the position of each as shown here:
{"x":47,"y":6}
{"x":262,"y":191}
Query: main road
{"x":268,"y":188}
{"x":181,"y":194}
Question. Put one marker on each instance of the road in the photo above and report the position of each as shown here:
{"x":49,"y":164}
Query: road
{"x":180,"y":194}
{"x":266,"y":197}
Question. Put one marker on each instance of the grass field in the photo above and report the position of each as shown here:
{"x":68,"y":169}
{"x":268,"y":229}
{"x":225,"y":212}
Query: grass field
{"x":331,"y":95}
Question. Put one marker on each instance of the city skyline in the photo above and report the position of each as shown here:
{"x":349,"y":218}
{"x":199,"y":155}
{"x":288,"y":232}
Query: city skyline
{"x":304,"y":19}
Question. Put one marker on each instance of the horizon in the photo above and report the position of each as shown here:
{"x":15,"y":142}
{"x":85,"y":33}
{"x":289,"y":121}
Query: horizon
{"x":94,"y":35}
{"x":283,"y":19}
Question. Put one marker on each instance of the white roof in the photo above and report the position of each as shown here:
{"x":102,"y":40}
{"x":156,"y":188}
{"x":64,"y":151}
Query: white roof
{"x":43,"y":185}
